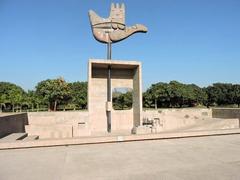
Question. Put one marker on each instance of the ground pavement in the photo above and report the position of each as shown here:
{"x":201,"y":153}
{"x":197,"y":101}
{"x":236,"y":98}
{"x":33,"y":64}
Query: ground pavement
{"x":215,"y":157}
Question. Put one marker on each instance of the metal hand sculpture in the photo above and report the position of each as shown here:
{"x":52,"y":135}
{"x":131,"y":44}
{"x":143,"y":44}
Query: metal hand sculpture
{"x":113,"y":29}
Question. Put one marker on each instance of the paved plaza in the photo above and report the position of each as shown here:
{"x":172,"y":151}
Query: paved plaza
{"x":216,"y":157}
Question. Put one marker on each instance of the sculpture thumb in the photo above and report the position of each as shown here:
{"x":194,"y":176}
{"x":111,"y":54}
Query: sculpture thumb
{"x":119,"y":35}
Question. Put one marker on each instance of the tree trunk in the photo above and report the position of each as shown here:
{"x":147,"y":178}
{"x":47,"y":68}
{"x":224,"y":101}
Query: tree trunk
{"x":13,"y":108}
{"x":49,"y":106}
{"x":55,"y":106}
{"x":156,"y":103}
{"x":238,"y":105}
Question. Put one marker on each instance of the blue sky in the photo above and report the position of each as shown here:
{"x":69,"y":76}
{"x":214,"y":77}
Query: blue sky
{"x":192,"y":41}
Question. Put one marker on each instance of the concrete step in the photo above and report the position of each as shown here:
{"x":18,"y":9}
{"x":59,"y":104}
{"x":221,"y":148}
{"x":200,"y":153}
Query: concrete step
{"x":13,"y":137}
{"x":31,"y":138}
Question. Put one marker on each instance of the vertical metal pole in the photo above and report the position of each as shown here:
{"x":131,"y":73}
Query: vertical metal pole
{"x":109,"y":90}
{"x":109,"y":51}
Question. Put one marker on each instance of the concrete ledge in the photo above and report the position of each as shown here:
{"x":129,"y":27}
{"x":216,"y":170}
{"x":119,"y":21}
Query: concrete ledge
{"x":113,"y":139}
{"x":13,"y":137}
{"x":31,"y":138}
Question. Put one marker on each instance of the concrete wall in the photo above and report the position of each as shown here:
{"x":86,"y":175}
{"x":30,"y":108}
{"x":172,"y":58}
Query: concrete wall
{"x":122,"y":120}
{"x":13,"y":123}
{"x":137,"y":96}
{"x":124,"y":74}
{"x":193,"y":119}
{"x":58,"y":124}
{"x":77,"y":123}
{"x":171,"y":119}
{"x":226,"y":113}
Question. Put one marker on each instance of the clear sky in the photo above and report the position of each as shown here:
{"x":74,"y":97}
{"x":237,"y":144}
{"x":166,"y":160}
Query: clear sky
{"x":192,"y":41}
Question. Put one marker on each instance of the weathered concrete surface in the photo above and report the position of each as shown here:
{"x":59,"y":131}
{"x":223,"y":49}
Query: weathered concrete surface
{"x":58,"y":124}
{"x":114,"y":139}
{"x":113,"y":29}
{"x":179,"y":159}
{"x":190,"y":119}
{"x":12,"y":123}
{"x":226,"y":113}
{"x":124,"y":74}
{"x":73,"y":124}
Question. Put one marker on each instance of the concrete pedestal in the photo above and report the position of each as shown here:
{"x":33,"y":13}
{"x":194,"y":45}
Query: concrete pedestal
{"x":124,"y":74}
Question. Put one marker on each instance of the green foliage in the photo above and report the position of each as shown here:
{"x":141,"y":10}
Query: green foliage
{"x":236,"y":94}
{"x":174,"y":94}
{"x":122,"y":100}
{"x":222,"y":94}
{"x":53,"y":92}
{"x":78,"y":92}
{"x":58,"y":94}
{"x":11,"y":95}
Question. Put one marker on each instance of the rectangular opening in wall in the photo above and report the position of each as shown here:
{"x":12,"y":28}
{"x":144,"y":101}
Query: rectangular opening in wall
{"x":122,"y":98}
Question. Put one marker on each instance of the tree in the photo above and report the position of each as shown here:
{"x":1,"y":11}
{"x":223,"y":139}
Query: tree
{"x":220,"y":94}
{"x":196,"y":95}
{"x":78,"y":93}
{"x":178,"y":94}
{"x":224,"y":93}
{"x":33,"y":100}
{"x":2,"y":102}
{"x":236,"y":97}
{"x":53,"y":92}
{"x":122,"y":100}
{"x":147,"y":99}
{"x":174,"y":94}
{"x":11,"y":94}
{"x":160,"y":92}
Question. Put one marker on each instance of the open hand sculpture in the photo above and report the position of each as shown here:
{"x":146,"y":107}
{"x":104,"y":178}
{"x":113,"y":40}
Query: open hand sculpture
{"x":113,"y":28}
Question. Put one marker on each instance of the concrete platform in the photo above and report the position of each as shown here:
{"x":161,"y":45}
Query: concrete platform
{"x":208,"y":158}
{"x":114,"y":139}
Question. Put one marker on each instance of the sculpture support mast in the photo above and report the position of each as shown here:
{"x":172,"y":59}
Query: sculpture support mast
{"x":109,"y":89}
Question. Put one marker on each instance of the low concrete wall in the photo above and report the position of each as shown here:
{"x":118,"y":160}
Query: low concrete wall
{"x":66,"y":124}
{"x":173,"y":119}
{"x":226,"y":113}
{"x":122,"y":120}
{"x":14,"y":123}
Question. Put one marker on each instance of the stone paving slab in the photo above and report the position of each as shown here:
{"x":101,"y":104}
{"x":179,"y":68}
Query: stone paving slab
{"x":114,"y":139}
{"x":198,"y":158}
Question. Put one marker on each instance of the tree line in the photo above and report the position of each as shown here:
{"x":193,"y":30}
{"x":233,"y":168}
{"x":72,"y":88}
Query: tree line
{"x":176,"y":94}
{"x":50,"y":94}
{"x":57,"y":94}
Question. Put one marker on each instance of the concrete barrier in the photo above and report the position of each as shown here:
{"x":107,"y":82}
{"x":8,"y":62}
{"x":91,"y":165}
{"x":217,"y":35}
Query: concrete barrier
{"x":12,"y":123}
{"x":58,"y":124}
